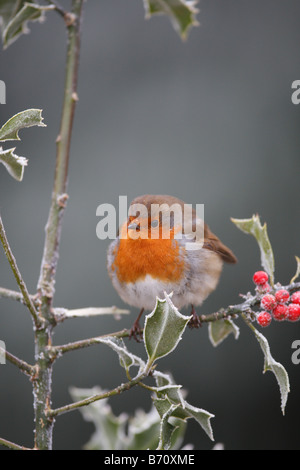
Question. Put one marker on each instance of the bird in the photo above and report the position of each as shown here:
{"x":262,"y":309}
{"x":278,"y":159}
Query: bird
{"x":155,"y":253}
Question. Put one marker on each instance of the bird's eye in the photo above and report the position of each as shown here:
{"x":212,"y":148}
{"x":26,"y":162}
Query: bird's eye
{"x":154,"y":223}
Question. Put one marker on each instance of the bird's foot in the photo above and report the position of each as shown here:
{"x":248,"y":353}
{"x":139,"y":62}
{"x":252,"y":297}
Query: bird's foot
{"x":136,"y":331}
{"x":195,"y":321}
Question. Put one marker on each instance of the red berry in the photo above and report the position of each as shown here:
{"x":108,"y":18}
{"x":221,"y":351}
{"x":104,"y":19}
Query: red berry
{"x":281,"y":312}
{"x":268,"y":302}
{"x":282,"y":296}
{"x":264,"y":319}
{"x":294,"y":312}
{"x":265,"y":288}
{"x":260,"y":278}
{"x":296,"y":297}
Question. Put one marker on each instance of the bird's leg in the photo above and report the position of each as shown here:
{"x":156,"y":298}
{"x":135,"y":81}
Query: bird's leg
{"x":195,"y":321}
{"x":136,"y":330}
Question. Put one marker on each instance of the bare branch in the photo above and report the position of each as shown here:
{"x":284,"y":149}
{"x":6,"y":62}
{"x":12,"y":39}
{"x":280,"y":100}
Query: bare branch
{"x":84,"y":343}
{"x":12,"y":445}
{"x":11,"y":259}
{"x":22,"y":365}
{"x":87,"y":401}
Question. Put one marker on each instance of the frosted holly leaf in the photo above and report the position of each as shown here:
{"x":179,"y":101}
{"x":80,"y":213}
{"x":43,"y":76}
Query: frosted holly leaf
{"x":219,"y":330}
{"x":298,"y":270}
{"x":28,"y":118}
{"x":275,"y":367}
{"x":15,"y":15}
{"x":127,"y":359}
{"x":10,"y":131}
{"x":144,"y":430}
{"x":109,"y":429}
{"x":163,"y":329}
{"x":182,"y":13}
{"x":13,"y":163}
{"x":167,"y":409}
{"x":253,"y":226}
{"x":163,"y":379}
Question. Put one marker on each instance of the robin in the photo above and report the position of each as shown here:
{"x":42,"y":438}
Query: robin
{"x":154,"y":253}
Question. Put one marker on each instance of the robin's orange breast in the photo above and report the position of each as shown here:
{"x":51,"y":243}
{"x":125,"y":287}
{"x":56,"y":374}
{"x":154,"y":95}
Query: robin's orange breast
{"x":161,"y":259}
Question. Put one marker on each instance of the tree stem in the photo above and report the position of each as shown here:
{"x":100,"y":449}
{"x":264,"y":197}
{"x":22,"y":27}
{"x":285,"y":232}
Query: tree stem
{"x":43,"y":336}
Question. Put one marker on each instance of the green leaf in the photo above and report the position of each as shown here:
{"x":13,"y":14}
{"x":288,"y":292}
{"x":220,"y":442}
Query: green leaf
{"x":162,"y":379}
{"x":166,"y":408}
{"x":219,"y":330}
{"x":202,"y":417}
{"x":172,"y":392}
{"x":275,"y":367}
{"x":8,"y":9}
{"x":253,"y":226}
{"x":166,"y":430}
{"x":143,"y":430}
{"x":297,"y":272}
{"x":127,"y":359}
{"x":110,"y":429}
{"x":181,"y":12}
{"x":14,"y":164}
{"x":15,"y":16}
{"x":163,"y":329}
{"x":28,"y":118}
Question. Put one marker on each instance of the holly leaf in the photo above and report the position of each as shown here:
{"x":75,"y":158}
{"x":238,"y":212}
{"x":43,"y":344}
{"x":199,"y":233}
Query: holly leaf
{"x":182,"y":13}
{"x":253,"y":226}
{"x":168,"y":408}
{"x":13,"y":163}
{"x":219,"y":330}
{"x":163,"y":329}
{"x":297,"y":272}
{"x":15,"y":14}
{"x":275,"y":367}
{"x":30,"y":117}
{"x":127,"y":359}
{"x":9,"y":131}
{"x":109,"y":429}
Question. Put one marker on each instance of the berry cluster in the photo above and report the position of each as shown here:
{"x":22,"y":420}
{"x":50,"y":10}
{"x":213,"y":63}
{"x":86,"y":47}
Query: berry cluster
{"x":279,"y":306}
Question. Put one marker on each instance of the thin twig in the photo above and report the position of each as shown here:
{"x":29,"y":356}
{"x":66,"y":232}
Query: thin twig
{"x":59,"y":197}
{"x":87,"y":401}
{"x":58,"y":8}
{"x":11,"y":259}
{"x":22,"y":365}
{"x":12,"y":445}
{"x":62,"y":314}
{"x":84,"y":343}
{"x":251,"y":302}
{"x":11,"y":294}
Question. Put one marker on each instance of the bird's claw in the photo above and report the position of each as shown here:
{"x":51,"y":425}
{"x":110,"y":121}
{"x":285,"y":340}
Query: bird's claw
{"x":195,"y":321}
{"x":136,"y":332}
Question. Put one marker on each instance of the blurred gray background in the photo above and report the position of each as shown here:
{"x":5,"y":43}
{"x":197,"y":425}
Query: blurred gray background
{"x":210,"y":121}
